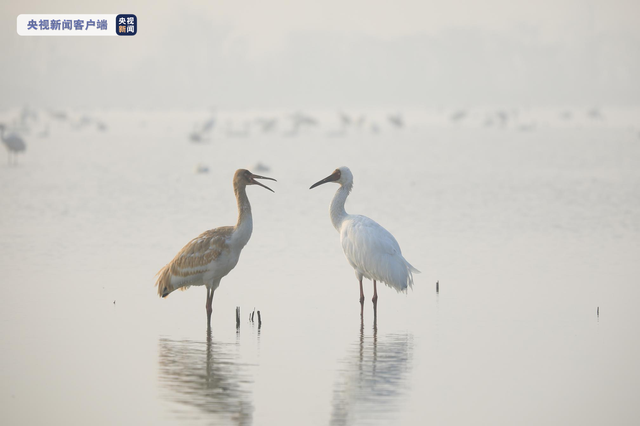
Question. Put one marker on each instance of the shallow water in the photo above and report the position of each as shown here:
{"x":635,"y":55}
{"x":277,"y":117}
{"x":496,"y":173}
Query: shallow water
{"x":528,"y":234}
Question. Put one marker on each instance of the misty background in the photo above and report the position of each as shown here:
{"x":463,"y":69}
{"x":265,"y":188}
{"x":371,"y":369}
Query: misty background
{"x":330,"y":54}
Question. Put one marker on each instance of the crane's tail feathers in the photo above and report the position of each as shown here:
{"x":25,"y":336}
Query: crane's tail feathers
{"x":164,"y":282}
{"x":399,"y":275}
{"x":412,"y":268}
{"x":410,"y":271}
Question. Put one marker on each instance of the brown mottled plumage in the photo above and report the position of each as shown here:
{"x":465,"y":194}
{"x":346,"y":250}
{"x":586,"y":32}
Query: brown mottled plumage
{"x":197,"y":253}
{"x":206,"y":259}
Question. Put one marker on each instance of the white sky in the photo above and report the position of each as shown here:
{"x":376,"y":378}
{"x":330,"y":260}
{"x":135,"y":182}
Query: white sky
{"x":260,"y":33}
{"x":266,"y":23}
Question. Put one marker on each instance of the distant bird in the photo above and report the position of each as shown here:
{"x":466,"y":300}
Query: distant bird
{"x":566,"y":115}
{"x":101,"y":125}
{"x":195,"y":136}
{"x":595,"y":114}
{"x":200,"y":134}
{"x":527,"y":127}
{"x":214,"y":253}
{"x":300,"y":120}
{"x":345,"y":119}
{"x":396,"y":120}
{"x":503,"y":116}
{"x":458,"y":116}
{"x":201,"y":168}
{"x":370,"y":249}
{"x":208,"y":125}
{"x":59,"y":115}
{"x":266,"y":124}
{"x":13,"y":143}
{"x":261,"y":167}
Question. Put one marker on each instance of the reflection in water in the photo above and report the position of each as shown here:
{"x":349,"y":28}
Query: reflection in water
{"x":207,"y":376}
{"x":373,"y":379}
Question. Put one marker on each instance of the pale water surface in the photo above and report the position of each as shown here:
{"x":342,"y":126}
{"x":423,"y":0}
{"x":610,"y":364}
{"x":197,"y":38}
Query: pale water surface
{"x":528,"y":233}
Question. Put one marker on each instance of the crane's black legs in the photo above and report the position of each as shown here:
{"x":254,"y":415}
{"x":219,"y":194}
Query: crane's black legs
{"x":374,"y":300}
{"x":208,"y":306}
{"x":361,"y":299}
{"x":375,"y":305}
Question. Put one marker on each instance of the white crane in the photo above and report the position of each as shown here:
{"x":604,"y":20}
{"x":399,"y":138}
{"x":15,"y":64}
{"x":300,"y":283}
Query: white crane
{"x":13,"y":143}
{"x":206,"y":259}
{"x":370,"y":249}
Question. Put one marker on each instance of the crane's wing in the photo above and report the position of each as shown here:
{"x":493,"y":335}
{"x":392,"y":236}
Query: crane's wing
{"x":191,"y":262}
{"x":372,"y":250}
{"x":14,"y":142}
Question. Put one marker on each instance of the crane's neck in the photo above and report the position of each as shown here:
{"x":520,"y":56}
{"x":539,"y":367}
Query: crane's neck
{"x":244,"y":227}
{"x":336,"y":211}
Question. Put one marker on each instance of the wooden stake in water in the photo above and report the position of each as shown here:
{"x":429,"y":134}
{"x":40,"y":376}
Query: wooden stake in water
{"x":237,"y":316}
{"x":259,"y":320}
{"x":598,"y":311}
{"x":438,"y":286}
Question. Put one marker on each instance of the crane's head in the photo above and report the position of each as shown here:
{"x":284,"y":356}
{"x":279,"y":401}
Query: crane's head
{"x":245,"y":177}
{"x":341,"y":175}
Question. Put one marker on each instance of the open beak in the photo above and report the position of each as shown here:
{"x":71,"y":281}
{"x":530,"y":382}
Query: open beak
{"x":331,"y":178}
{"x":255,"y":182}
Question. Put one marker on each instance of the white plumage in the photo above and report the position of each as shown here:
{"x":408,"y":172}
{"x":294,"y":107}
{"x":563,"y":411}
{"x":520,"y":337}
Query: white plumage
{"x":370,"y":249}
{"x":374,"y":253}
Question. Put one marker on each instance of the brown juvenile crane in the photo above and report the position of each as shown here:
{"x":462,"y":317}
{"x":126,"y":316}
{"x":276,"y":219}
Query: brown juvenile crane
{"x":206,"y":259}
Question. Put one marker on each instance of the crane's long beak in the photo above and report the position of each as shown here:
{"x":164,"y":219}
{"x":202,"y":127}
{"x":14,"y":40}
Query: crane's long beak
{"x":331,"y":178}
{"x":255,"y":182}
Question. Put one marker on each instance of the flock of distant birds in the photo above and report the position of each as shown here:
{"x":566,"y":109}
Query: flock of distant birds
{"x":291,"y":125}
{"x":29,"y":119}
{"x":294,"y":124}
